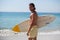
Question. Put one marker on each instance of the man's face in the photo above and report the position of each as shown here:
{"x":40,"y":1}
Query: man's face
{"x":31,"y":7}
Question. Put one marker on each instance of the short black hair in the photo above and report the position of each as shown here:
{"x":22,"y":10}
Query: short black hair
{"x":32,"y":4}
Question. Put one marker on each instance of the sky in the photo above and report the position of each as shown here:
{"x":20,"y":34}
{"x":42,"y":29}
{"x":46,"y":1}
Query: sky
{"x":23,"y":5}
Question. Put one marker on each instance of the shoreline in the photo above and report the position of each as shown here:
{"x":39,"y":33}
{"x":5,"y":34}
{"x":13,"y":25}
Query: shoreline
{"x":10,"y":35}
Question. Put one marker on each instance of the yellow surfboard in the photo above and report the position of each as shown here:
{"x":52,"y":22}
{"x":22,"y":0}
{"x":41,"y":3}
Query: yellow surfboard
{"x":42,"y":21}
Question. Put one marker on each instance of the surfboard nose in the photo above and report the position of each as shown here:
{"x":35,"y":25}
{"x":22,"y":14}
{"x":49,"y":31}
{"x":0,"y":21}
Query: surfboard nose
{"x":16,"y":28}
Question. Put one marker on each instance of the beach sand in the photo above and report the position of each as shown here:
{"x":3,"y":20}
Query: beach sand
{"x":10,"y":35}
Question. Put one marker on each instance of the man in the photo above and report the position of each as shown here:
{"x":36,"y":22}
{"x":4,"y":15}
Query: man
{"x":33,"y":29}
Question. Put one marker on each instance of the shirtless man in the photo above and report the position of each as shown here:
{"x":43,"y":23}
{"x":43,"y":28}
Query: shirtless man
{"x":33,"y":29}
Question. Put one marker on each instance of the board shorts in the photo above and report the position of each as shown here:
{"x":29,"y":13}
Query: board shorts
{"x":33,"y":32}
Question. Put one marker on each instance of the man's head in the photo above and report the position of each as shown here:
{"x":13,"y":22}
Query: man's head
{"x":32,"y":7}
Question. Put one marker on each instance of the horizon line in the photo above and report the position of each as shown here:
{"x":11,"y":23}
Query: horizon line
{"x":48,"y":12}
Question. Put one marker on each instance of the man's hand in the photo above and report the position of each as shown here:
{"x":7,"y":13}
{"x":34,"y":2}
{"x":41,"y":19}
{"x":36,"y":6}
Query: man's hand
{"x":27,"y":34}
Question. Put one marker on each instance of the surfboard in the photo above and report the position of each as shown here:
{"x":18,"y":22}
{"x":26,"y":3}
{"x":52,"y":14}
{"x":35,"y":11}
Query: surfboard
{"x":42,"y":21}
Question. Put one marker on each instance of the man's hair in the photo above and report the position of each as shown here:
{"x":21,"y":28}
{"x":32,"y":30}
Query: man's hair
{"x":32,"y":5}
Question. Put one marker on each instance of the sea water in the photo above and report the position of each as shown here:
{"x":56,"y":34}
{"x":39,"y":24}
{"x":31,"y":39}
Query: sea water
{"x":10,"y":19}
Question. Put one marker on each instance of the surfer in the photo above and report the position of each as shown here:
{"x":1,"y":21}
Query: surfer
{"x":33,"y":29}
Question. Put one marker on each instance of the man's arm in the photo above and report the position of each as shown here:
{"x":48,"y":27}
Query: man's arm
{"x":32,"y":22}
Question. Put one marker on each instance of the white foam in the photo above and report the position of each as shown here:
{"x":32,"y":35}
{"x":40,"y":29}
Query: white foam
{"x":10,"y":35}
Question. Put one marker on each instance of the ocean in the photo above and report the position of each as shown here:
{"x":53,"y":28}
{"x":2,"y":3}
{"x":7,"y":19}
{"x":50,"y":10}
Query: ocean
{"x":10,"y":19}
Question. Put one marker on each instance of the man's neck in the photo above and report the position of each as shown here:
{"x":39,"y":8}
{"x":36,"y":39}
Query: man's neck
{"x":32,"y":11}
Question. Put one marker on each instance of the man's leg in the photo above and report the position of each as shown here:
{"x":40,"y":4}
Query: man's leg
{"x":35,"y":38}
{"x":29,"y":38}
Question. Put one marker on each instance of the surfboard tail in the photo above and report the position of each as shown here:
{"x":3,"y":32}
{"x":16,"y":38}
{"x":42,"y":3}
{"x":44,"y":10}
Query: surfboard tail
{"x":16,"y":28}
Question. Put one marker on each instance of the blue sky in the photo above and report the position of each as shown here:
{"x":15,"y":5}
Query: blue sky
{"x":23,"y":5}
